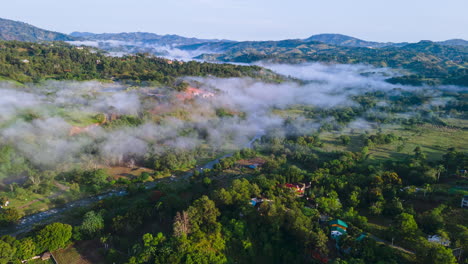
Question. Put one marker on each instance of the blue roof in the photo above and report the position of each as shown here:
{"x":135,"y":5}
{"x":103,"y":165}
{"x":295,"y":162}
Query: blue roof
{"x":361,"y":237}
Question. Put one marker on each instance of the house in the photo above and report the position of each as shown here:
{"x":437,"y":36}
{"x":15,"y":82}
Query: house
{"x":4,"y":202}
{"x":298,"y":188}
{"x":337,"y":228}
{"x":464,"y":202}
{"x":257,"y":201}
{"x":25,"y":61}
{"x":337,"y":232}
{"x":361,"y":237}
{"x":253,"y":164}
{"x":338,"y":222}
{"x":46,"y":256}
{"x":439,"y":240}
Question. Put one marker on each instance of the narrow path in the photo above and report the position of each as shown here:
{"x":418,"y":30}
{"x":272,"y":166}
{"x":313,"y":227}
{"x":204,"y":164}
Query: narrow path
{"x":390,"y":244}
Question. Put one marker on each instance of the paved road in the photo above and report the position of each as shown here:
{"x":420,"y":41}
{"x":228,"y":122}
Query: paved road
{"x":27,"y":223}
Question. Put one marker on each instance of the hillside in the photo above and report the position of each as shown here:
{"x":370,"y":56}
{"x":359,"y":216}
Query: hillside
{"x":27,"y":62}
{"x":426,"y":62}
{"x":15,"y":30}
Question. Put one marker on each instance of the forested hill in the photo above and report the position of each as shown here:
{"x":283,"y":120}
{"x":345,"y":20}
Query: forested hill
{"x":32,"y":62}
{"x":425,"y":61}
{"x":15,"y":30}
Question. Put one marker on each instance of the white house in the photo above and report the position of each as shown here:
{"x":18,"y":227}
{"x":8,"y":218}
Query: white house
{"x":439,"y":240}
{"x":464,"y":202}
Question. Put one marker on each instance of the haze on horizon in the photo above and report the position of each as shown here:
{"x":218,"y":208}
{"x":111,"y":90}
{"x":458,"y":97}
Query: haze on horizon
{"x":397,"y":21}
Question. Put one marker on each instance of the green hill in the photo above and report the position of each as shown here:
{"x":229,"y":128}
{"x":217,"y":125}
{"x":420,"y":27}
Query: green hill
{"x":425,"y":61}
{"x":32,"y":62}
{"x":15,"y":30}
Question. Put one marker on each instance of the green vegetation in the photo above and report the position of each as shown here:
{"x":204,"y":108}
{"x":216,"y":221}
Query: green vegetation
{"x":390,"y":165}
{"x":15,"y":30}
{"x":31,"y":62}
{"x":425,"y":62}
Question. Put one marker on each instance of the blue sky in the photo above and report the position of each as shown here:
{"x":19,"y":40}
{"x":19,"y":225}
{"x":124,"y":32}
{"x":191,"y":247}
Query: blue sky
{"x":378,"y":20}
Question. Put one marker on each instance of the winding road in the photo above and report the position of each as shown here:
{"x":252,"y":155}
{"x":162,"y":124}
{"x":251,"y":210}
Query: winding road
{"x":27,"y":223}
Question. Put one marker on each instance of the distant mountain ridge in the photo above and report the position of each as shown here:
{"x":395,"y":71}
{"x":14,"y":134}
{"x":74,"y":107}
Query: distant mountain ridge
{"x":20,"y":31}
{"x":175,"y":40}
{"x":150,"y":38}
{"x":454,"y":42}
{"x":444,"y":62}
{"x":348,"y":41}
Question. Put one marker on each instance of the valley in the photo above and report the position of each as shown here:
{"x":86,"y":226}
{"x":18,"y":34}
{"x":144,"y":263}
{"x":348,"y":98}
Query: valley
{"x":145,"y":148}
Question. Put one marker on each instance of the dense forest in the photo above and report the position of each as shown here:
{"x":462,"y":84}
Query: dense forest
{"x":32,"y":62}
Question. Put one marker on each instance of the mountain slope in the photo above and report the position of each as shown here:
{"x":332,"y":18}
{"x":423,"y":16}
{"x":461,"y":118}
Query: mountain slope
{"x":425,"y":61}
{"x":15,"y":30}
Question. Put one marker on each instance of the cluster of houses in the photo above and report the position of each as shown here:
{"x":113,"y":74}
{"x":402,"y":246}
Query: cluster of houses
{"x":192,"y":92}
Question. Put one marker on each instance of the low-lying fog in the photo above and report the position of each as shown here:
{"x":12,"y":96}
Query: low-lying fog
{"x":38,"y":119}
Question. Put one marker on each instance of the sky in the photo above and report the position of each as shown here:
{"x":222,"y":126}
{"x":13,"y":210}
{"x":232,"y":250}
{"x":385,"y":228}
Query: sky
{"x":375,"y":20}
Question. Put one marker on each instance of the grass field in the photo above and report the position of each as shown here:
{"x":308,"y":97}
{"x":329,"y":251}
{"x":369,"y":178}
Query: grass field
{"x":77,"y":118}
{"x":433,"y":140}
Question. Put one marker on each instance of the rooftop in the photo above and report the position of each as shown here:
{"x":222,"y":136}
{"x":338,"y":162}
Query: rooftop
{"x":338,"y":222}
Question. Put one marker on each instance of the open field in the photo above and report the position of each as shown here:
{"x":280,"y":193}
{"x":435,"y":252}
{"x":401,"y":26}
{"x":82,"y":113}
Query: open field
{"x":83,"y":252}
{"x":433,"y":140}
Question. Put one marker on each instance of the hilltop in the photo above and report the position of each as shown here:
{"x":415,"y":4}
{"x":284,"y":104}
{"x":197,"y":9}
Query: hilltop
{"x":343,"y":40}
{"x":15,"y":30}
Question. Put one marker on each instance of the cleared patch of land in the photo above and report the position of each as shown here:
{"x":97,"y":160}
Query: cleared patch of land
{"x":82,"y":252}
